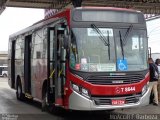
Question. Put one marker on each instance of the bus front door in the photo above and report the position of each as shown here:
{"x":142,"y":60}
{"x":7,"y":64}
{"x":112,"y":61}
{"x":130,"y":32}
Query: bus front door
{"x":56,"y":65}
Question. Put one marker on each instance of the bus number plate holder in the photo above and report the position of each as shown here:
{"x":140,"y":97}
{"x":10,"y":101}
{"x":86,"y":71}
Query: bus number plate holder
{"x":118,"y":101}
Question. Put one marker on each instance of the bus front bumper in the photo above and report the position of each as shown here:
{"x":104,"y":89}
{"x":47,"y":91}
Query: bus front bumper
{"x":79,"y":102}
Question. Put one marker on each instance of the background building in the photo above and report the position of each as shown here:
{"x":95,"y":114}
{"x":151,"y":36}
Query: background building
{"x":3,"y":58}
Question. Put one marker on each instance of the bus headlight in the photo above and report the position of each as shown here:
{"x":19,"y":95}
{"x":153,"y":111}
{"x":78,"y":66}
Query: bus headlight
{"x":145,"y":88}
{"x":75,"y":87}
{"x":83,"y":91}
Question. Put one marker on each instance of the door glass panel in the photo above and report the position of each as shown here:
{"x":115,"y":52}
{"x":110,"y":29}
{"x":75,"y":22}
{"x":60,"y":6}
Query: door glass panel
{"x":52,"y":42}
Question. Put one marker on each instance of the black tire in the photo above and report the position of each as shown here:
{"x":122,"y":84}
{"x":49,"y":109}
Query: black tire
{"x":19,"y":94}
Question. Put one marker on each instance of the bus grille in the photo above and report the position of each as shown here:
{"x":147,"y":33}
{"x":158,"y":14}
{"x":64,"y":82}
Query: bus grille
{"x":115,"y":79}
{"x":108,"y":100}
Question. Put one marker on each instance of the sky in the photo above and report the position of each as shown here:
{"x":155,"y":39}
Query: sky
{"x":15,"y":19}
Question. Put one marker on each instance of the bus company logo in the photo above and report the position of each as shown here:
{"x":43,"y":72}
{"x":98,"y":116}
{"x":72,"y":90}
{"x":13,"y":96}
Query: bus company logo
{"x":117,"y":81}
{"x":117,"y":90}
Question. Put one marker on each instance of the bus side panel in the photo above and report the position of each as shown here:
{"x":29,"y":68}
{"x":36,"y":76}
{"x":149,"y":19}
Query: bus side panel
{"x":38,"y":62}
{"x":17,"y":65}
{"x":39,"y":74}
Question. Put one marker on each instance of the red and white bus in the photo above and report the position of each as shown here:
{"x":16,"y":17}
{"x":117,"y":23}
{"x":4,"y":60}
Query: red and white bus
{"x":84,"y":58}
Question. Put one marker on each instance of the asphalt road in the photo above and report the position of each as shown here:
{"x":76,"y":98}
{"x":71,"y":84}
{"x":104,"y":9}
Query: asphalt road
{"x":12,"y":109}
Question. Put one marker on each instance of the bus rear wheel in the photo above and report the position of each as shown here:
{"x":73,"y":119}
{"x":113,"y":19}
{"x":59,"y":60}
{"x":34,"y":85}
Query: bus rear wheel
{"x":19,"y":93}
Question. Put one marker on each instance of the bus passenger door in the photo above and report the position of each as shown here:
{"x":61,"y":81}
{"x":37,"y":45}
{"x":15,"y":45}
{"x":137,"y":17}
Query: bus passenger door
{"x":56,"y":69}
{"x":27,"y":64}
{"x":13,"y":64}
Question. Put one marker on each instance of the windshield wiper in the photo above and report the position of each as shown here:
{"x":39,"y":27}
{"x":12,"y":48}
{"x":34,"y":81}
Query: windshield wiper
{"x":127,"y":33}
{"x":121,"y":44}
{"x":102,"y":37}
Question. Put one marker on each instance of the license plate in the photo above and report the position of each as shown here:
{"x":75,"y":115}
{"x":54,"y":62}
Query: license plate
{"x":118,"y":102}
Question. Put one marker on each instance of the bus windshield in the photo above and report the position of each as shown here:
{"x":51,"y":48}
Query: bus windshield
{"x":89,"y":53}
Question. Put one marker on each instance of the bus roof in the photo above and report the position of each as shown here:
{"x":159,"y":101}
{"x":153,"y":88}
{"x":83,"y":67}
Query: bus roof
{"x":33,"y":27}
{"x":40,"y":23}
{"x":108,"y":8}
